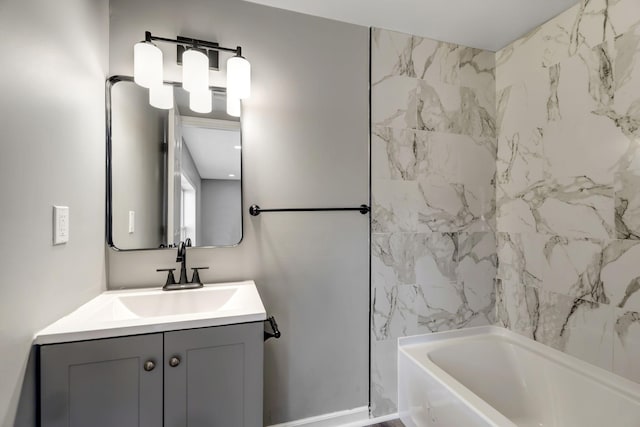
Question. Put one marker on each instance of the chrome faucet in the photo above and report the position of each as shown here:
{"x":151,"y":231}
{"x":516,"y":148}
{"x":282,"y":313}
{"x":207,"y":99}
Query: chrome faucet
{"x":184,"y":282}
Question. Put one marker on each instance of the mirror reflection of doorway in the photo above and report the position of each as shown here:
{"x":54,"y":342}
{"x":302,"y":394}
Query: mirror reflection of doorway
{"x":188,"y":214}
{"x":211,"y":161}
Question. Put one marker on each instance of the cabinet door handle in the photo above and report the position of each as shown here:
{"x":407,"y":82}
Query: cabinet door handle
{"x":149,"y":365}
{"x":174,"y":361}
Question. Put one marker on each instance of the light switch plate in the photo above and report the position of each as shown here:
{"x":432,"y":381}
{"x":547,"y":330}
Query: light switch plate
{"x":60,"y":225}
{"x":132,"y":222}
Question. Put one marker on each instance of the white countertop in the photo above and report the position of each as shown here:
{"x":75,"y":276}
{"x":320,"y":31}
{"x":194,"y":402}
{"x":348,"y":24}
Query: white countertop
{"x":144,"y":311}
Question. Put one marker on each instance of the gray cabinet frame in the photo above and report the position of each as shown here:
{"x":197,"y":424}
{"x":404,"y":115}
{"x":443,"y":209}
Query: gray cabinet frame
{"x":102,"y":383}
{"x":219,"y":379}
{"x":71,"y":397}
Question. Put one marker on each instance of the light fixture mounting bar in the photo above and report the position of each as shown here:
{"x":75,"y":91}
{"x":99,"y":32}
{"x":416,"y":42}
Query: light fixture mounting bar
{"x":194,"y":43}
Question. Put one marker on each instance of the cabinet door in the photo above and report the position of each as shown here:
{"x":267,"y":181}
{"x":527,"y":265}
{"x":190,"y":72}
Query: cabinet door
{"x":102,"y":383}
{"x":218,"y":382}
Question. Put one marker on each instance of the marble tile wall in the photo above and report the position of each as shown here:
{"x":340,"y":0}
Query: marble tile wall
{"x":433,"y":171}
{"x":568,"y":184}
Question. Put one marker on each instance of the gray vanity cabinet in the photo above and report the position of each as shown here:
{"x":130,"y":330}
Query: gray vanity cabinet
{"x":197,"y":377}
{"x":218,"y":379}
{"x":102,"y":383}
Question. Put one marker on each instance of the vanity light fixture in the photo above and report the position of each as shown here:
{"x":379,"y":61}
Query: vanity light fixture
{"x":196,"y":57}
{"x":200,"y":101}
{"x":233,"y":105}
{"x":238,"y":76}
{"x":195,"y":71}
{"x":161,"y":96}
{"x":147,"y":64}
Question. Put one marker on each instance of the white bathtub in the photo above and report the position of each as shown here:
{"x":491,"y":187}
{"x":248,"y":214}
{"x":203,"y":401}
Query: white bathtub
{"x":489,"y":376}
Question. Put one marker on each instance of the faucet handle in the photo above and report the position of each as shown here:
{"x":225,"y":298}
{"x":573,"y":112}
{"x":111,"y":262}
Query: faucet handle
{"x":196,"y":276}
{"x":171,"y":280}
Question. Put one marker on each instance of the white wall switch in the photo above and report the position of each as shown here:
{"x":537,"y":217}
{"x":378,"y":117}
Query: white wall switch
{"x":132,"y":222}
{"x":60,"y":225}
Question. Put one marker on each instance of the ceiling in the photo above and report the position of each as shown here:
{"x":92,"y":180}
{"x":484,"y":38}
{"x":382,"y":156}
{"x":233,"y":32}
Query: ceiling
{"x":484,"y":24}
{"x":214,"y":151}
{"x":213,"y":139}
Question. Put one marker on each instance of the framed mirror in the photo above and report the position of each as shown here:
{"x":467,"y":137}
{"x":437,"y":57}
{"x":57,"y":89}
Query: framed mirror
{"x":171,"y":174}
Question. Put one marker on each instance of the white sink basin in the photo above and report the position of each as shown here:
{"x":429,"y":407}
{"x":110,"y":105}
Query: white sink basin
{"x":140,"y":311}
{"x":173,"y":303}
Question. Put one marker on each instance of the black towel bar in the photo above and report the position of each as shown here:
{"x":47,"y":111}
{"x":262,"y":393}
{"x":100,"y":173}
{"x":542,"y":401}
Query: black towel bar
{"x":274,"y":328}
{"x":256,"y":210}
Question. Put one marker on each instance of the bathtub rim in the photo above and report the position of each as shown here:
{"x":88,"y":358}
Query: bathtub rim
{"x":483,"y":409}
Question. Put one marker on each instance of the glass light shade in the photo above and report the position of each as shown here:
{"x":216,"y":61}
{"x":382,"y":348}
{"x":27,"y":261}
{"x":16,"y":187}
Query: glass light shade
{"x":233,"y":106}
{"x":238,"y":77}
{"x":201,"y":102}
{"x":161,"y":97}
{"x":147,"y":64}
{"x":195,"y":71}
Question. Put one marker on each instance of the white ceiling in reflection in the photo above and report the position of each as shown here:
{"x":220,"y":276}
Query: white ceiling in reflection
{"x":213,"y":151}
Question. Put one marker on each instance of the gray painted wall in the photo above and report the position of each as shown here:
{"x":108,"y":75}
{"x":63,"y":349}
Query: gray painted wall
{"x":51,"y":152}
{"x":138,"y":167}
{"x":305,"y":143}
{"x":221,"y":212}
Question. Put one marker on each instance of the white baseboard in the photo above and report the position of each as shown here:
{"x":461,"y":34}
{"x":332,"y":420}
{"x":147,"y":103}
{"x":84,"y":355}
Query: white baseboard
{"x":372,"y":421}
{"x":358,"y":417}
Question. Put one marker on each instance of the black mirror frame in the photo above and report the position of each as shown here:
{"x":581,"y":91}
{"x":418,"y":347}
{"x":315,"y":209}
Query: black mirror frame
{"x":110,"y":82}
